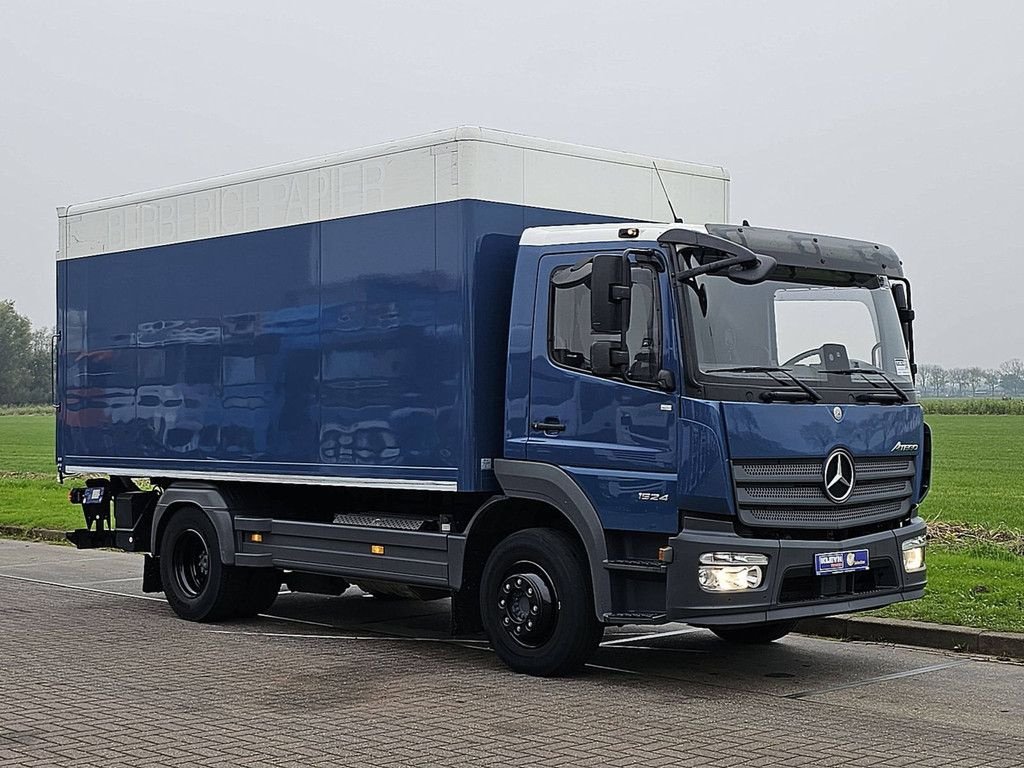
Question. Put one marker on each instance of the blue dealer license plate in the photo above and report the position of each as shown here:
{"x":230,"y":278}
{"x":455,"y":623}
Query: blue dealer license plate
{"x":841,"y":562}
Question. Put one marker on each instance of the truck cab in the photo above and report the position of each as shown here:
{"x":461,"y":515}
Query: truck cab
{"x":738,"y":405}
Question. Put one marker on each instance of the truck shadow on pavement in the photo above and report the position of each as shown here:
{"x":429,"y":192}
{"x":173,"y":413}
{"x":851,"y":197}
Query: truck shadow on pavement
{"x":795,"y":667}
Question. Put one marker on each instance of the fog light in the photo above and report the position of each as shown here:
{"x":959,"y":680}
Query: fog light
{"x":730,"y":571}
{"x":913,"y":554}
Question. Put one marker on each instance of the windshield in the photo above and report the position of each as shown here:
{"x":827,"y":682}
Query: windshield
{"x":809,"y":322}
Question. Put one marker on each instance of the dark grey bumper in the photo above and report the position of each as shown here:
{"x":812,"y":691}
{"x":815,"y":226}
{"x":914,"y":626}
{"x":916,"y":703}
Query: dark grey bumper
{"x":790,"y":589}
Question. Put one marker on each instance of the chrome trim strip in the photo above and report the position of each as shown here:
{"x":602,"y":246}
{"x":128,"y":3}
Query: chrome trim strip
{"x":357,"y":482}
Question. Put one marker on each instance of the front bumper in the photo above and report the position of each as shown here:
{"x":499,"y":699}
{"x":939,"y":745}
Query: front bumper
{"x":790,"y":589}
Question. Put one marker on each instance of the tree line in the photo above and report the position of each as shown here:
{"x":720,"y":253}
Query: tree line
{"x":25,"y":368}
{"x":1007,"y":380}
{"x":24,"y":359}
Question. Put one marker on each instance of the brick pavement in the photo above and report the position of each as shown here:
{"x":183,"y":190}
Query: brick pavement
{"x":96,"y":679}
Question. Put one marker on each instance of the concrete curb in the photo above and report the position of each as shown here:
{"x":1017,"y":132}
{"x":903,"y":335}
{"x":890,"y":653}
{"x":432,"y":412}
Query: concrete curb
{"x":920,"y":633}
{"x":36,"y":534}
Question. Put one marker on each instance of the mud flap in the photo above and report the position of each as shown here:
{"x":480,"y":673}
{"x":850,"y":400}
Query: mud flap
{"x":466,"y":613}
{"x":151,"y":575}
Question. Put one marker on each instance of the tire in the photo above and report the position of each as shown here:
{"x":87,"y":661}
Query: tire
{"x":755,"y":634}
{"x":537,"y":603}
{"x":198,"y":586}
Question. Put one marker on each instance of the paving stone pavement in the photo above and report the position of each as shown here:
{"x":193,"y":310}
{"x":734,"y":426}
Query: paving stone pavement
{"x":99,"y":676}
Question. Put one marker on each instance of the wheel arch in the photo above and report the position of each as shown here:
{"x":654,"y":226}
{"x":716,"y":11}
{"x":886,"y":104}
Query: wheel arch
{"x":207,"y":497}
{"x":535,"y":495}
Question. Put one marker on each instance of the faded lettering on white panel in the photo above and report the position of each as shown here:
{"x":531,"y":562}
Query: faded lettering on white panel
{"x":389,"y":182}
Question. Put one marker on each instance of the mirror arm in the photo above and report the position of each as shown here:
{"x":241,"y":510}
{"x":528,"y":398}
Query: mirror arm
{"x":715,"y":266}
{"x":737,"y":255}
{"x":664,"y":380}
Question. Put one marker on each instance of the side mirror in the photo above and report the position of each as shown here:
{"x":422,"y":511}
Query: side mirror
{"x":899,"y":295}
{"x":902,"y":300}
{"x":607,"y":358}
{"x":609,"y":293}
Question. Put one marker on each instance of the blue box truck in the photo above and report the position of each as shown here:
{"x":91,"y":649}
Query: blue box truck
{"x":480,"y":365}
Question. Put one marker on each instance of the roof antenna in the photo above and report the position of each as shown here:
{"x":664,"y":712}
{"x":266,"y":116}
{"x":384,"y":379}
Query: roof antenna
{"x":675,"y":218}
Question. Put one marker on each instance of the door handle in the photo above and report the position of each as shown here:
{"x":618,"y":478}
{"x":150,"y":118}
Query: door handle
{"x":548,"y":425}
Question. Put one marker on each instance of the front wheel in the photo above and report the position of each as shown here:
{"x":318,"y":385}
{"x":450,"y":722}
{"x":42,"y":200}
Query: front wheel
{"x":755,"y":634}
{"x":537,"y":603}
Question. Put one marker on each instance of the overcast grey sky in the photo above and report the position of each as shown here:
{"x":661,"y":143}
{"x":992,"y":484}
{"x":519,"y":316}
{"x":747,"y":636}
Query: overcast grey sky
{"x":898,"y":122}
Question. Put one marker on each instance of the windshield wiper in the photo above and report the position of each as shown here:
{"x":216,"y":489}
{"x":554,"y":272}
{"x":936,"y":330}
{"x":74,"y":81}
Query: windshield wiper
{"x":878,"y":397}
{"x":874,"y":371}
{"x":767,"y":369}
{"x":785,"y":395}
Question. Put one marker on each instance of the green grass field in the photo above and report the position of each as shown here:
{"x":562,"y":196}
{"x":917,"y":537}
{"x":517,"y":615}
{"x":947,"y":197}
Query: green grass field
{"x":977,"y":465}
{"x":983,"y":587}
{"x":30,"y":495}
{"x":978,"y":479}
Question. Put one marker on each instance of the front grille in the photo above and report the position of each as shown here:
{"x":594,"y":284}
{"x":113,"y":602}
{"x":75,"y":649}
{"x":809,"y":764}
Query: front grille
{"x":789,"y":493}
{"x":835,"y":516}
{"x":863,"y":491}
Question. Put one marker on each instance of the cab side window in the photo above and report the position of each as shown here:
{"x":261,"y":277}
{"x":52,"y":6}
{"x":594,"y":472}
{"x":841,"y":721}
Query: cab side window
{"x":570,"y":336}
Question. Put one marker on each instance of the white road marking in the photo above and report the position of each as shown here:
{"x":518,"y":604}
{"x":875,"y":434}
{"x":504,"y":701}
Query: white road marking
{"x":111,"y":581}
{"x":590,"y":666}
{"x":614,"y":669}
{"x":359,"y":638}
{"x":661,"y":649}
{"x":298,"y":621}
{"x":635,"y":638}
{"x":82,"y":589}
{"x":880,"y":679}
{"x":51,"y":562}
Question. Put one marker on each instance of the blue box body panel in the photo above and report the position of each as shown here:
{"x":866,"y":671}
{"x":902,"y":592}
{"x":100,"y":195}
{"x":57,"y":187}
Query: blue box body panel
{"x":370,"y":348}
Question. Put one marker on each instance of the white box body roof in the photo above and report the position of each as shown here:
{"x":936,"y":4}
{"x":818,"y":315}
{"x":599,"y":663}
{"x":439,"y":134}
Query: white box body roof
{"x":461,"y":163}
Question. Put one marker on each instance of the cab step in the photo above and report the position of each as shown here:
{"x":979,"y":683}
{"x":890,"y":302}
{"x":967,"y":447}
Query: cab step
{"x":384,"y":521}
{"x":637,"y":566}
{"x":637,"y":617}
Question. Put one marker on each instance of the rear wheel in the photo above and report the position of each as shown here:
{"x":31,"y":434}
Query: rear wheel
{"x":755,"y":634}
{"x":198,"y":586}
{"x":537,"y":605}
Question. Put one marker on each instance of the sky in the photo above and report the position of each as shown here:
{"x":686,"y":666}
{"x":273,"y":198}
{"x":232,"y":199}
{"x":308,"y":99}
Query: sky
{"x":894,"y":122}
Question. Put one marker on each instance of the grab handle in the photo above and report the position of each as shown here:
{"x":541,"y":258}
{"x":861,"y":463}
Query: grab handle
{"x":54,"y":345}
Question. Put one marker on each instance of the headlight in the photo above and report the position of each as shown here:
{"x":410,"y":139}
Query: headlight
{"x":913,"y":554}
{"x":730,"y":571}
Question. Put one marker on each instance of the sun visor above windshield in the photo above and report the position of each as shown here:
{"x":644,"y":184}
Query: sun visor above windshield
{"x":800,"y":249}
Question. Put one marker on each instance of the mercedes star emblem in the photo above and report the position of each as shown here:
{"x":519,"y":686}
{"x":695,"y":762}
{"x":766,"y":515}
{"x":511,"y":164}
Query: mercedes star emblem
{"x":838,"y":475}
{"x":837,"y":413}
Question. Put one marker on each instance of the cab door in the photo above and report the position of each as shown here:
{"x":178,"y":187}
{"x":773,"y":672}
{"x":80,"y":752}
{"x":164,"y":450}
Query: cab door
{"x":614,"y":434}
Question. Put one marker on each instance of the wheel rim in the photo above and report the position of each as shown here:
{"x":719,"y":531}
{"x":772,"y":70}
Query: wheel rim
{"x":191,"y":560}
{"x":527,"y":604}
